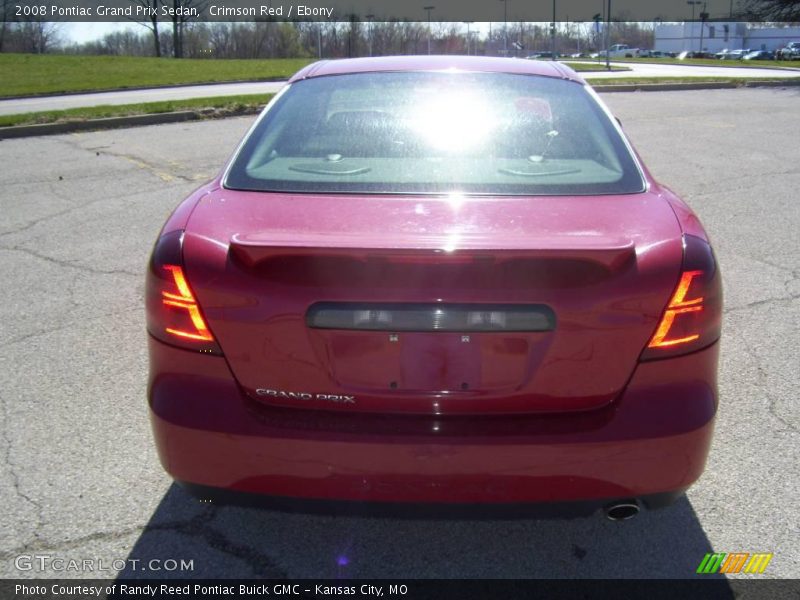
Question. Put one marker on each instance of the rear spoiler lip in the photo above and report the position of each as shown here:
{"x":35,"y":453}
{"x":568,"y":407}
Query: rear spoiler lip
{"x":611,"y":253}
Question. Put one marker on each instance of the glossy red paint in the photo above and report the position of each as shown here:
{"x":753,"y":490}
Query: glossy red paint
{"x":572,"y":413}
{"x":485,"y":64}
{"x":606,"y":265}
{"x":653,"y":439}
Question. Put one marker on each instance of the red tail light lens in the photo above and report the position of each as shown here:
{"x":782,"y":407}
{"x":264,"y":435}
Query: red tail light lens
{"x":665,"y":335}
{"x":692,"y":320}
{"x":195,"y":328}
{"x":173,"y":314}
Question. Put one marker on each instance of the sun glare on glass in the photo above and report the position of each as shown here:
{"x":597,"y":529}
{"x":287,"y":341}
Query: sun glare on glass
{"x":453,"y":122}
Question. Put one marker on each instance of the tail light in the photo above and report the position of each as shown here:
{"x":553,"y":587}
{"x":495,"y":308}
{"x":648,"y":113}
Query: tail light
{"x":173,"y":313}
{"x":693,"y":318}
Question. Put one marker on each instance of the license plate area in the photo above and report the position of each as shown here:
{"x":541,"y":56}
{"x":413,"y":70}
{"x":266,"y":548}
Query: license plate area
{"x":427,"y":362}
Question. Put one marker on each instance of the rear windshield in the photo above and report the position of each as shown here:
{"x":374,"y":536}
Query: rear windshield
{"x":436,"y":133}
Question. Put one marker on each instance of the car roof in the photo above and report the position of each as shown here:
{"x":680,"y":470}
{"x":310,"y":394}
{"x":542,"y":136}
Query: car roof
{"x":483,"y":64}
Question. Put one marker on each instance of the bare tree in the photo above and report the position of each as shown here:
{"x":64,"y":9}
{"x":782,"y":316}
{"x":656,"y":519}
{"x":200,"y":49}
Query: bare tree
{"x":37,"y":36}
{"x":151,"y":7}
{"x":181,"y":13}
{"x":787,"y":11}
{"x":6,"y":15}
{"x":222,"y":39}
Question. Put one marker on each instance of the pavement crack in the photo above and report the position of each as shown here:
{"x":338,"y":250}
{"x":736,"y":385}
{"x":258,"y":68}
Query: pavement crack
{"x":60,"y":213}
{"x":153,"y":168}
{"x":748,"y":183}
{"x":69,"y":325}
{"x":772,"y":400}
{"x":40,"y":544}
{"x":70,"y":264}
{"x":12,"y":469}
{"x":197,"y":527}
{"x":53,"y":191}
{"x":760,"y":303}
{"x":35,"y":222}
{"x":200,"y":527}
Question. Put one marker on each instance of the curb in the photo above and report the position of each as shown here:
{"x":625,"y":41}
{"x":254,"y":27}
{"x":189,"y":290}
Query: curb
{"x":665,"y":87}
{"x":791,"y":82}
{"x":20,"y":131}
{"x":144,"y":87}
{"x":676,"y":87}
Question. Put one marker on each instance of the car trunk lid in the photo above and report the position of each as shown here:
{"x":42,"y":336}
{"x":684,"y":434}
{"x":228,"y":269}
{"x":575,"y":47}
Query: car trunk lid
{"x":433,"y":305}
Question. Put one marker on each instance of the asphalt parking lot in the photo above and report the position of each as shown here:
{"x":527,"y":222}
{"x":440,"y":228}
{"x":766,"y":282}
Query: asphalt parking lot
{"x":79,"y":476}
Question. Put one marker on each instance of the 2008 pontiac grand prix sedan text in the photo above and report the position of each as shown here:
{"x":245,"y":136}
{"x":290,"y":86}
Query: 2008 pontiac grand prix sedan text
{"x":442,"y":281}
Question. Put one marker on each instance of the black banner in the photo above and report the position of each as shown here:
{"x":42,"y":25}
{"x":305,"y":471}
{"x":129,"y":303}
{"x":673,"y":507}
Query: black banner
{"x":712,"y":588}
{"x":380,"y":10}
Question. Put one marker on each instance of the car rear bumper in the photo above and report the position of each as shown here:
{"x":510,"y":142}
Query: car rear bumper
{"x":650,"y":444}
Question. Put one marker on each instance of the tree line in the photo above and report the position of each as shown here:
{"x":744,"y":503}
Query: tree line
{"x":182,"y":37}
{"x":280,"y":39}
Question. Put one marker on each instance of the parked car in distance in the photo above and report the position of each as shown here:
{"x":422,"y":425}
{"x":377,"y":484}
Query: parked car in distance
{"x":789,"y":52}
{"x":542,"y":56}
{"x":736,"y":54}
{"x":653,"y":54}
{"x":695,"y":54}
{"x":436,"y":280}
{"x":759,"y":55}
{"x":622,"y":51}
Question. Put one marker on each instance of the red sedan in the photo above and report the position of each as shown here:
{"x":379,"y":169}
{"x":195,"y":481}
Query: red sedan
{"x":440,"y":282}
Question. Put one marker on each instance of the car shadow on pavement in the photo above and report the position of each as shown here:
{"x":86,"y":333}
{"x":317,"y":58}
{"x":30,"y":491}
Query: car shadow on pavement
{"x":234,"y":542}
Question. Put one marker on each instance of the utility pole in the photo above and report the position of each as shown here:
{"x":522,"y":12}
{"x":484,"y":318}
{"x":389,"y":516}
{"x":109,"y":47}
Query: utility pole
{"x":692,"y":3}
{"x":608,"y":40}
{"x":553,"y":32}
{"x":369,"y":18}
{"x":656,"y":22}
{"x":703,"y":17}
{"x":468,"y":23}
{"x":429,"y":9}
{"x":319,"y":39}
{"x":505,"y":27}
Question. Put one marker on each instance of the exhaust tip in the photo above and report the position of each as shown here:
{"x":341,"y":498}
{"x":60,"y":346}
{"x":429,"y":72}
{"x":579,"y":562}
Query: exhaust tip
{"x":622,"y":511}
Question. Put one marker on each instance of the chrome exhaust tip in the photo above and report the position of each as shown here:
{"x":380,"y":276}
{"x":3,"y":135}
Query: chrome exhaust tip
{"x":622,"y":511}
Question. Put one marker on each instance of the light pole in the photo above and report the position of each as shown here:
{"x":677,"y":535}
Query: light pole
{"x":703,"y":17}
{"x":608,"y":29}
{"x":429,"y":9}
{"x":656,"y":22}
{"x":505,"y":27}
{"x":468,"y":23}
{"x":369,"y":18}
{"x":692,"y":3}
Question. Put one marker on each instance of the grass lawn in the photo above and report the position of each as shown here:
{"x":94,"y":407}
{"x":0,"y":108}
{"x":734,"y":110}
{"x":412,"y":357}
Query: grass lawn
{"x":712,"y":62}
{"x":32,"y":74}
{"x":594,"y":67}
{"x":231,"y":105}
{"x":220,"y":104}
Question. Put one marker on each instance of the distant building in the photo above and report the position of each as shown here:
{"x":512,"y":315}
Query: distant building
{"x":718,"y":35}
